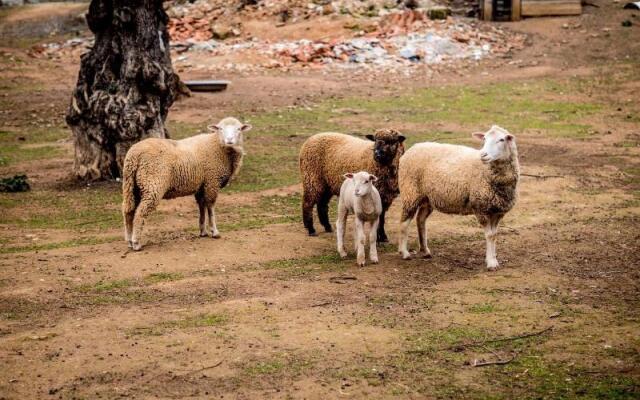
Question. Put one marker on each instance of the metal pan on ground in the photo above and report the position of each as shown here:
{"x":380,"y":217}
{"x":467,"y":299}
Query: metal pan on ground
{"x":207,"y":85}
{"x":632,"y":6}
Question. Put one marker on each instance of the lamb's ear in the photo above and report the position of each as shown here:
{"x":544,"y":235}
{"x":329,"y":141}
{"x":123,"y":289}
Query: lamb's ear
{"x":371,"y":137}
{"x":509,"y":137}
{"x":245,"y":127}
{"x":401,"y":138}
{"x":478,"y":135}
{"x":213,"y":128}
{"x":373,"y":178}
{"x":348,"y":175}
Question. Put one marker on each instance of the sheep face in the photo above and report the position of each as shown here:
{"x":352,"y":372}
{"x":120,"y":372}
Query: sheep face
{"x":230,"y":132}
{"x":363,"y":182}
{"x":387,"y":144}
{"x":499,"y":144}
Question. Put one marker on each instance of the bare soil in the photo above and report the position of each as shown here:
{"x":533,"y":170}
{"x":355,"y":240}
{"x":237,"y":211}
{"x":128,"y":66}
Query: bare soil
{"x":267,"y":312}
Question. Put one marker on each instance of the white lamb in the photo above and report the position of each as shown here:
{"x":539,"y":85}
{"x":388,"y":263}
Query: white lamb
{"x":459,"y":180}
{"x":358,"y":196}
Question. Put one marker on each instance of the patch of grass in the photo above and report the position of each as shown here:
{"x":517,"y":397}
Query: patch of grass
{"x":298,"y":267}
{"x":91,"y":208}
{"x":87,"y":241}
{"x":482,"y":308}
{"x":198,"y":321}
{"x":162,"y":277}
{"x":539,"y":378}
{"x":269,"y":210}
{"x":33,"y":135}
{"x":180,"y":130}
{"x":13,"y":153}
{"x":265,"y":368}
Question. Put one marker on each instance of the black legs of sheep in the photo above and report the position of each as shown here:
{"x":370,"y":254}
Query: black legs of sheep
{"x":322,"y":205}
{"x":125,"y":87}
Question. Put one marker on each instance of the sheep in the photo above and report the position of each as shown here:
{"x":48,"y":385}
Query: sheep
{"x":358,"y":196}
{"x":326,"y":157}
{"x":459,"y":180}
{"x":201,"y":165}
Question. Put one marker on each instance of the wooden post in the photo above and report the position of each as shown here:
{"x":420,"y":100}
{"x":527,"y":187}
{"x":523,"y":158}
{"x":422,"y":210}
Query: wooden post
{"x":515,"y":10}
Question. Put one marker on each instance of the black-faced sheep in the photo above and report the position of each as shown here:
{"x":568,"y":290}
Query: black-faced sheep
{"x":201,"y":165}
{"x":326,"y":157}
{"x":459,"y":180}
{"x":358,"y":196}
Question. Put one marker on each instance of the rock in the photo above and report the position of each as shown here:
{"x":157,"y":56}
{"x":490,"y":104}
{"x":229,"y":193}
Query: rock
{"x":627,"y":23}
{"x":438,"y":12}
{"x":222,"y":31}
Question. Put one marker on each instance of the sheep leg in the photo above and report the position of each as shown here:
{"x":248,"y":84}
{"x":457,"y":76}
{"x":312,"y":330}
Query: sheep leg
{"x":340,"y":228}
{"x":128,"y":226}
{"x":490,"y":223}
{"x":360,"y":238}
{"x":382,"y":235}
{"x":323,"y":211}
{"x":212,"y":222}
{"x":147,"y":205}
{"x":308,"y":201}
{"x":373,"y":246}
{"x":423,"y":214}
{"x":202,"y":220}
{"x":408,"y":212}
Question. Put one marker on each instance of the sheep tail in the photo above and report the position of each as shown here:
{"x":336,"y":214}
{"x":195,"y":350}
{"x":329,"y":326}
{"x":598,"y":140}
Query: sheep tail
{"x":129,"y":183}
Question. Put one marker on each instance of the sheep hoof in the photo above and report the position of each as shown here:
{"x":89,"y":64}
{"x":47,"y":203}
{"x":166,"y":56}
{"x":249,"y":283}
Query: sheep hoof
{"x":492,"y":266}
{"x":360,"y":263}
{"x":136,"y":246}
{"x":216,"y":235}
{"x":203,"y":234}
{"x":426,"y":256}
{"x":343,"y":254}
{"x":374,"y":261}
{"x":406,"y":256}
{"x":313,"y":234}
{"x":130,"y":244}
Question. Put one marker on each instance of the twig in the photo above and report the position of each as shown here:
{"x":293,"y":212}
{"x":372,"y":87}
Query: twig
{"x":543,"y":176}
{"x":461,"y":346}
{"x":497,"y":362}
{"x":325,"y":303}
{"x":202,"y":369}
{"x":339,"y":279}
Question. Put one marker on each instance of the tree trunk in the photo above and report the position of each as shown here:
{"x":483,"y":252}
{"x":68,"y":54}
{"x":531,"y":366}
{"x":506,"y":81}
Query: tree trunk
{"x":126,"y":85}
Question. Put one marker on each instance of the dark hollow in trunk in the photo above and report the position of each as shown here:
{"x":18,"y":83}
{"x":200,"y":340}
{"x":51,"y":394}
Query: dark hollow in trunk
{"x":125,"y":87}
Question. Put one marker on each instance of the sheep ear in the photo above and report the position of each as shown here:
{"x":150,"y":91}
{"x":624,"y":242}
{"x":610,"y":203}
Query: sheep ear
{"x":478,"y":135}
{"x":213,"y":128}
{"x":245,"y":127}
{"x":373,"y":178}
{"x":509,"y":137}
{"x":401,"y":139}
{"x":371,"y":137}
{"x":348,"y":175}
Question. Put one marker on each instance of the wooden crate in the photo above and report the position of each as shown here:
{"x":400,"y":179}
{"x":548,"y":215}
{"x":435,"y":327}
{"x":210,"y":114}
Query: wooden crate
{"x":514,"y":10}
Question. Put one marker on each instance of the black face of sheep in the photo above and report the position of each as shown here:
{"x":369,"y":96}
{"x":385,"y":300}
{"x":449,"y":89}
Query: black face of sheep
{"x":387,"y":142}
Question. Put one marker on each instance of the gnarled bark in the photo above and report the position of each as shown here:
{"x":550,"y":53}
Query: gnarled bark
{"x":125,"y":87}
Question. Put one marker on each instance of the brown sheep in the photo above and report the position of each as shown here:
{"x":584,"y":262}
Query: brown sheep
{"x":326,"y":157}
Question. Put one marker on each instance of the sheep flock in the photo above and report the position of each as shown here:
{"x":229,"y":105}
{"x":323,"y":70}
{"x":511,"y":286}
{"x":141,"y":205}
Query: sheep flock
{"x":366,"y":174}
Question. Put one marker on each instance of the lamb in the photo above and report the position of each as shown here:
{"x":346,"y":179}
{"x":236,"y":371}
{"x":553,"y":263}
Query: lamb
{"x":358,"y":196}
{"x":326,"y":157}
{"x":201,"y":165}
{"x":459,"y":180}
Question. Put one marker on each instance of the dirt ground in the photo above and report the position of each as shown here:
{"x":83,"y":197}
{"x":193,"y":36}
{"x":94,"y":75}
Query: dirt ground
{"x":267,"y":312}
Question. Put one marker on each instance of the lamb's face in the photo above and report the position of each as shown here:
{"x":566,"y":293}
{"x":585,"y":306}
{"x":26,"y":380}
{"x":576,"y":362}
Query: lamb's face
{"x":230,"y":132}
{"x":387,"y":144}
{"x":363,"y":182}
{"x":499,"y":144}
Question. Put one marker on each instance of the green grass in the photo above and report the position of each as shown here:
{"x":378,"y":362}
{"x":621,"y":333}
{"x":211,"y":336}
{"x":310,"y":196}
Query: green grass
{"x":482,"y":308}
{"x":13,"y":153}
{"x":162,"y":277}
{"x":539,"y":378}
{"x":268,"y":210}
{"x":196,"y":321}
{"x":265,"y":368}
{"x":86,"y":241}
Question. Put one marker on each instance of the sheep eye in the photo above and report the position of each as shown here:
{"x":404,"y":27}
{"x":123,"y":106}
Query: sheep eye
{"x":501,"y":140}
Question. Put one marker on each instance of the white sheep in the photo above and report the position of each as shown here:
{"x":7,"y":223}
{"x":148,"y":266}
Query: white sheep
{"x":358,"y":196}
{"x":201,"y":165}
{"x":459,"y":180}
